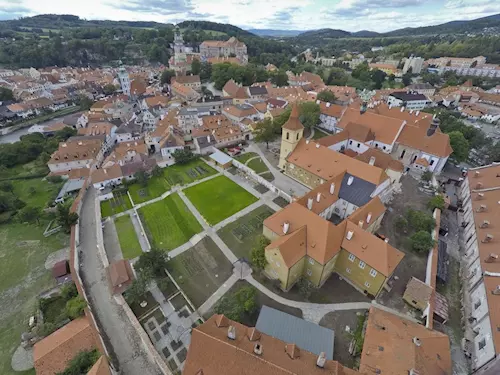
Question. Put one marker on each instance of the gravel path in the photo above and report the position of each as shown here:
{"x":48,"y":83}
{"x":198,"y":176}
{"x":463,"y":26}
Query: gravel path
{"x":55,"y":257}
{"x":22,"y":360}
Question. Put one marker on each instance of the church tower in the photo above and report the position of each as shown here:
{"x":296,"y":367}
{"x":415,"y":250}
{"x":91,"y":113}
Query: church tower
{"x":292,"y":132}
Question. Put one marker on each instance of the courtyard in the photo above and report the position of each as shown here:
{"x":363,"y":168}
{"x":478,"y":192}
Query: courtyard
{"x":219,"y":198}
{"x":169,"y":223}
{"x":129,"y":244}
{"x":241,"y":235}
{"x":177,"y":174}
{"x":200,"y":271}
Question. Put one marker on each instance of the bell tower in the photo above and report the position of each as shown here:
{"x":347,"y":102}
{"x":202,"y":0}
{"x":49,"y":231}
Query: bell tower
{"x":292,"y":133}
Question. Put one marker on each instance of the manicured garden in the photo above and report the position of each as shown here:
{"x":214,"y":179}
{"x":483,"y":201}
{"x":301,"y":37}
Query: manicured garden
{"x":219,"y":198}
{"x":247,"y":156}
{"x":200,"y":271}
{"x":129,"y":243}
{"x":119,"y":203}
{"x":258,"y":166}
{"x":176,"y":174}
{"x":169,"y":223}
{"x":241,"y":235}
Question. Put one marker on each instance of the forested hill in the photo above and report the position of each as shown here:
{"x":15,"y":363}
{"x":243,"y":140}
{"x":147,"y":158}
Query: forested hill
{"x":214,"y":26}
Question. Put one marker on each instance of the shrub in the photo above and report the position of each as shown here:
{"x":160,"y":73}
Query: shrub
{"x":81,"y":363}
{"x":436,"y":202}
{"x":421,"y":241}
{"x":305,"y":288}
{"x":239,"y":304}
{"x":401,"y":224}
{"x":46,"y":329}
{"x":258,"y":255}
{"x":420,"y":221}
{"x":74,"y":307}
{"x":69,"y":291}
{"x":54,"y":179}
{"x":426,"y":176}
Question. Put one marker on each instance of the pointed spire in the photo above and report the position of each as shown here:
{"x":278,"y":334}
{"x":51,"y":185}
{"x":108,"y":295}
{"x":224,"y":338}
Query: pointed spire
{"x":293,"y":122}
{"x":295,"y":111}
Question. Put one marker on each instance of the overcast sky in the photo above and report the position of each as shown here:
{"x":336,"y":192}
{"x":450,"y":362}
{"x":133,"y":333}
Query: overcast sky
{"x":350,"y":15}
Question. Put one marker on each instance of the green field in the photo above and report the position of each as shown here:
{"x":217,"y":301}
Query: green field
{"x":169,"y":223}
{"x":119,"y":203}
{"x":219,"y":198}
{"x":23,"y":250}
{"x":36,"y":192}
{"x":258,"y":166}
{"x":244,"y":157}
{"x":174,"y":175}
{"x":318,"y":134}
{"x":200,"y":271}
{"x":241,"y":235}
{"x":129,"y":243}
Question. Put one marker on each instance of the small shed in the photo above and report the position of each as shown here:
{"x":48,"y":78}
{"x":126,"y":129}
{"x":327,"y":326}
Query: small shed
{"x":417,"y":294}
{"x":120,"y":276}
{"x":61,"y":272}
{"x":221,"y":159}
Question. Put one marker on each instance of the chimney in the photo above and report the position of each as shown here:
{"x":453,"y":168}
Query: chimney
{"x":350,"y":180}
{"x":320,"y":362}
{"x":318,"y":197}
{"x":361,"y":223}
{"x":485,"y":224}
{"x":414,"y":372}
{"x":307,"y":141}
{"x":497,"y":290}
{"x":416,"y":341}
{"x":257,"y":349}
{"x":349,"y":235}
{"x":372,"y":160}
{"x":481,"y":208}
{"x":488,"y":238}
{"x":479,"y":185}
{"x":328,"y":105}
{"x":491,"y":258}
{"x":368,"y":218}
{"x":418,"y":112}
{"x":231,"y":333}
{"x":476,"y":174}
{"x":208,"y":138}
{"x":386,"y":240}
{"x":480,"y":196}
{"x":317,"y":145}
{"x":286,"y":227}
{"x":332,"y":188}
{"x":402,"y":109}
{"x":310,"y":203}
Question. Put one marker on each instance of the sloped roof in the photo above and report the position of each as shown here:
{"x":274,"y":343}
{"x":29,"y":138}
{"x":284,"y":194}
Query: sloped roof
{"x":382,"y":160}
{"x":293,"y":122}
{"x":292,"y":246}
{"x":437,"y":144}
{"x":374,"y":208}
{"x":399,"y":353}
{"x":231,"y":87}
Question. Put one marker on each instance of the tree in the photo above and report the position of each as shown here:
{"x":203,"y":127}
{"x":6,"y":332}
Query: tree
{"x":265,"y":132}
{"x":420,"y":221}
{"x":7,"y":186}
{"x":85,"y":102}
{"x":305,"y":288}
{"x":426,"y":176}
{"x":378,"y":78}
{"x":157,"y":171}
{"x":81,"y":363}
{"x":136,"y":291}
{"x":74,"y":307}
{"x":183,"y":156}
{"x":6,"y":94}
{"x":141,"y":177}
{"x":279,"y":78}
{"x":109,"y":89}
{"x":205,"y":71}
{"x":258,"y":254}
{"x":151,"y":265}
{"x":69,"y":291}
{"x":65,"y":218}
{"x":436,"y":201}
{"x":166,"y":76}
{"x":29,"y":214}
{"x":326,"y":96}
{"x":406,"y":79}
{"x":238,"y":304}
{"x":401,"y":224}
{"x":309,"y":114}
{"x":336,"y":77}
{"x":421,"y":241}
{"x":196,"y":67}
{"x":459,"y":145}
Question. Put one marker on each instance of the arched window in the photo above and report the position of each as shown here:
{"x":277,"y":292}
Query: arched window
{"x":287,"y":135}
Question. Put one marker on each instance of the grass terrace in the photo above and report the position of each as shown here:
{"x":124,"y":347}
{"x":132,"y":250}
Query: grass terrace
{"x":243,"y":158}
{"x":119,"y":203}
{"x":240,"y":235}
{"x":219,"y":198}
{"x":174,"y":175}
{"x":36,"y":192}
{"x":258,"y":166}
{"x":169,"y":223}
{"x":129,"y":243}
{"x":200,"y":271}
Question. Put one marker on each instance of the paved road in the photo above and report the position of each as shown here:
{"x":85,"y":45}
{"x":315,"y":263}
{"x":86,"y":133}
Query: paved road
{"x":125,"y":343}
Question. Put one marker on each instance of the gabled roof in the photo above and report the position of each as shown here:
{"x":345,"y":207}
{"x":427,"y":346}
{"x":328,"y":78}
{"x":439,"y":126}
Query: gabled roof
{"x":437,"y":144}
{"x":332,"y":110}
{"x":231,"y":88}
{"x":390,"y":347}
{"x":368,"y":213}
{"x":382,"y":160}
{"x":291,"y":246}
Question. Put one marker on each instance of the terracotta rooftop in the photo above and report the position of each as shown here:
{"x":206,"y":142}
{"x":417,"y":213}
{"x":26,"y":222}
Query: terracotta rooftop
{"x":53,"y":353}
{"x":212,"y":353}
{"x":293,"y":122}
{"x":395,"y":346}
{"x":332,"y":110}
{"x":231,"y":87}
{"x":86,"y":149}
{"x":187,"y":79}
{"x":382,"y":160}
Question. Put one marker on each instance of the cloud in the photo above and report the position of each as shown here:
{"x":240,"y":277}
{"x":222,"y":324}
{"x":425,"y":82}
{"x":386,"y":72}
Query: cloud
{"x":164,"y":7}
{"x":8,"y":12}
{"x":357,"y":8}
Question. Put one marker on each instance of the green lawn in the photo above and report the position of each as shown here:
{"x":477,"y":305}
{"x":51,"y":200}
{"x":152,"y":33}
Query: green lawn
{"x":243,"y":158}
{"x":36,"y":192}
{"x":241,"y":235}
{"x":131,"y":248}
{"x":169,"y":223}
{"x":258,"y":166}
{"x":319,"y":133}
{"x":23,"y":250}
{"x":200,"y":271}
{"x":219,"y":198}
{"x":174,"y":175}
{"x":119,"y":203}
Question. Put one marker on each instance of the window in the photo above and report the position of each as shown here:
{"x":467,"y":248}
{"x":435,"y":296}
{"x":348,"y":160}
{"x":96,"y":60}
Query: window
{"x":402,"y":154}
{"x":309,"y":272}
{"x":350,"y":142}
{"x":351,"y":257}
{"x":414,"y":302}
{"x":311,"y":260}
{"x":384,"y":147}
{"x":373,"y":273}
{"x":287,"y":135}
{"x":482,"y":344}
{"x":477,"y":304}
{"x":348,"y":270}
{"x":376,"y":145}
{"x":362,"y":264}
{"x":297,"y":136}
{"x":432,"y":162}
{"x":367,"y":284}
{"x":359,"y":145}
